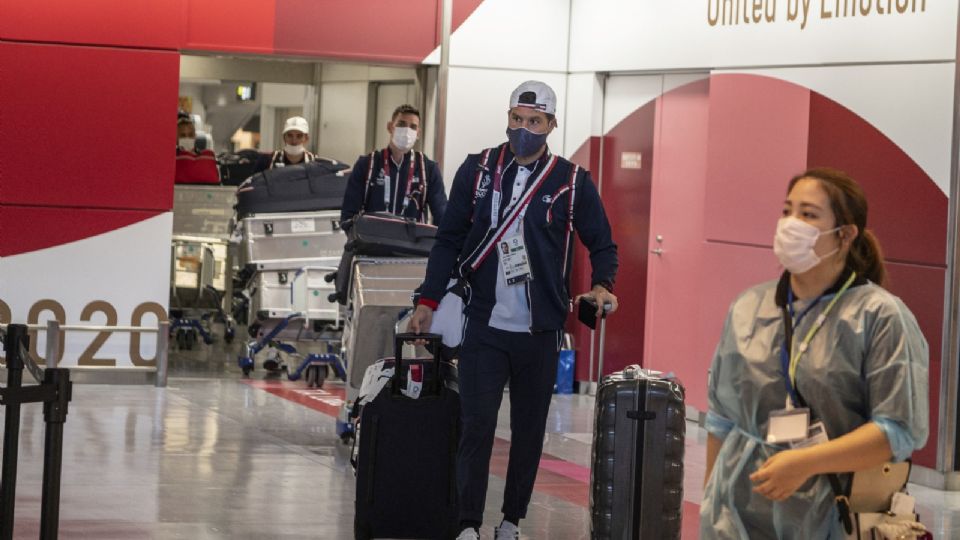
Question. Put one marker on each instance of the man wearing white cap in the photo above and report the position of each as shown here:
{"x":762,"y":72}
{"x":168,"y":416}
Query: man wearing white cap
{"x":507,"y":236}
{"x":296,"y":134}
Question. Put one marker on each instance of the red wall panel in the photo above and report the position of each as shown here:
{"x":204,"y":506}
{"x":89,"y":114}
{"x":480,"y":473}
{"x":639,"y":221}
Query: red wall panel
{"x":757,"y":142}
{"x":93,"y":128}
{"x":235,"y":25}
{"x":910,"y":227}
{"x":381,"y":29}
{"x":26,"y":228}
{"x":626,"y":199}
{"x":143,"y":23}
{"x":921,"y":289}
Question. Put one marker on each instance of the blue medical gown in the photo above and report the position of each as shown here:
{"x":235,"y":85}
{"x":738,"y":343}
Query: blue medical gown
{"x":867,"y":363}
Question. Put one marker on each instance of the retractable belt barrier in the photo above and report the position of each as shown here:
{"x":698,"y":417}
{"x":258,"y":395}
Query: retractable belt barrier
{"x":54,"y":391}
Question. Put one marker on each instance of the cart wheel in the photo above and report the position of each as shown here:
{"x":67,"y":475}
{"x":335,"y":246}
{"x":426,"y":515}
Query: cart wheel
{"x":319,"y":376}
{"x":346,"y":437}
{"x":189,"y":338}
{"x":246,"y":370}
{"x":181,"y":339}
{"x":228,"y":338}
{"x":271,"y":365}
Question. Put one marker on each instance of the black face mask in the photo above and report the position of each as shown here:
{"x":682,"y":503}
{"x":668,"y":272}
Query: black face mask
{"x":524,"y":142}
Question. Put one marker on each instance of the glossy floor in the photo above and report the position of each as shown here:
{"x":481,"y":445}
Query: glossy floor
{"x":214,"y":457}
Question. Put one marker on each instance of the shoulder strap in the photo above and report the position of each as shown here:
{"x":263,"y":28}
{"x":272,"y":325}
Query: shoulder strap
{"x":366,"y":184}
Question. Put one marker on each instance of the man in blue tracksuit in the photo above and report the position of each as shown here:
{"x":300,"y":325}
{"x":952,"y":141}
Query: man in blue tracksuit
{"x":508,"y":235}
{"x":396,"y":179}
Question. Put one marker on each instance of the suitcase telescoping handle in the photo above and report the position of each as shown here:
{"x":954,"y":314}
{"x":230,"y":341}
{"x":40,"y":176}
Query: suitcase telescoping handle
{"x":587,"y":314}
{"x":433,"y":342}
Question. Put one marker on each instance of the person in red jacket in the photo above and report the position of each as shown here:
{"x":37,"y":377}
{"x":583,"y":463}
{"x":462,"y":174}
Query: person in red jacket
{"x":193,"y":166}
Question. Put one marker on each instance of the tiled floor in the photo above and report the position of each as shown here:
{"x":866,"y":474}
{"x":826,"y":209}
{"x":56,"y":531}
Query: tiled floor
{"x":216,"y":457}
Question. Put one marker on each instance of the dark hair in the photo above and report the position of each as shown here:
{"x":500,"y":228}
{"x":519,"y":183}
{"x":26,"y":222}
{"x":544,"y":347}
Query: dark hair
{"x":183,"y":117}
{"x":849,"y":205}
{"x":404,"y":109}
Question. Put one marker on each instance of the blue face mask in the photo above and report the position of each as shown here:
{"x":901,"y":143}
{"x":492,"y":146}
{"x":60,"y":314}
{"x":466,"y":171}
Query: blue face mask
{"x":524,"y":142}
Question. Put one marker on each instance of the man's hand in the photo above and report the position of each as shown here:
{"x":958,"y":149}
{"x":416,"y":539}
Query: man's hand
{"x":781,"y":475}
{"x":601,"y":296}
{"x":421,"y":320}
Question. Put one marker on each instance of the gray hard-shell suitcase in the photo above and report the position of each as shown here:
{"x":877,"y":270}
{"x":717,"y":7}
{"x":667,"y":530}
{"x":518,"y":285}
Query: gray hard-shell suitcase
{"x":636,"y":476}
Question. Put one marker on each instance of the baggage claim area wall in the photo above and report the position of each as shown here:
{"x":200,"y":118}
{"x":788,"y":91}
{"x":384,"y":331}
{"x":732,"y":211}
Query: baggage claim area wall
{"x":692,"y":117}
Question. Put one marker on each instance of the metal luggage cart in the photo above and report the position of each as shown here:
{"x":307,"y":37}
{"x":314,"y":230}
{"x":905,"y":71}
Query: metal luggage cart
{"x":380,"y":296}
{"x":314,"y":367}
{"x":199,"y":283}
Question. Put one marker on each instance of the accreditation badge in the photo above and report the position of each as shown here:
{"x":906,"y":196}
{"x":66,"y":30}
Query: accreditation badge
{"x":514,"y":262}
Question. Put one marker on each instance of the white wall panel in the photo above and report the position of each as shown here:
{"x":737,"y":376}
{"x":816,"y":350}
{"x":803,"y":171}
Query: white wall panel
{"x":622,"y":35}
{"x":911,"y":104}
{"x":477,"y":111}
{"x":582,"y":118}
{"x":124,"y":268}
{"x":343,"y":127}
{"x":512,"y":34}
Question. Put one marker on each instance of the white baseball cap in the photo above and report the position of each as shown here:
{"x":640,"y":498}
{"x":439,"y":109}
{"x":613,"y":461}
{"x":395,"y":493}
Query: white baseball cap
{"x":296,"y":123}
{"x":534,"y":95}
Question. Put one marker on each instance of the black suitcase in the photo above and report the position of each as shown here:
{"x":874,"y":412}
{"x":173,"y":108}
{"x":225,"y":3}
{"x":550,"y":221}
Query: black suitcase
{"x":406,"y":464}
{"x":382,"y":234}
{"x":306,"y":187}
{"x":636,"y":477}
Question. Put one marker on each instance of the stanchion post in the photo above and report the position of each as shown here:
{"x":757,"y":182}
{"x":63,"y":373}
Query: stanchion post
{"x":17,"y":337}
{"x":54,"y":415}
{"x":53,"y":343}
{"x":163,"y":342}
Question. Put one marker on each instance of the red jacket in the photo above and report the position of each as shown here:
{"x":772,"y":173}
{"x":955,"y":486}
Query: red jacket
{"x":196,"y":167}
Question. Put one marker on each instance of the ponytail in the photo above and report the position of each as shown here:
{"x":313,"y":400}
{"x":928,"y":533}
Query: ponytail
{"x":866,"y":258}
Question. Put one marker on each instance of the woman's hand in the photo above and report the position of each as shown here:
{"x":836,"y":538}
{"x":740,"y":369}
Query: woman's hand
{"x":781,"y":475}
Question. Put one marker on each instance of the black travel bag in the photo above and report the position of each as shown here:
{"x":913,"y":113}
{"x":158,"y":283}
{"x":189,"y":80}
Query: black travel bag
{"x":306,"y":187}
{"x":636,"y":476}
{"x":380,"y":234}
{"x":406,"y":463}
{"x":235,"y":168}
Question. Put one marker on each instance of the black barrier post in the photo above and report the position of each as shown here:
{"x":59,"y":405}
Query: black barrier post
{"x":16,"y":336}
{"x":54,"y":414}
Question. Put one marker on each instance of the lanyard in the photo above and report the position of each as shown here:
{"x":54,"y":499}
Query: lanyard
{"x":789,"y":362}
{"x":498,"y":189}
{"x":388,"y":178}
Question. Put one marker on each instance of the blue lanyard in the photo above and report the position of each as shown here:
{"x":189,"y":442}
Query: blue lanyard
{"x":788,"y":364}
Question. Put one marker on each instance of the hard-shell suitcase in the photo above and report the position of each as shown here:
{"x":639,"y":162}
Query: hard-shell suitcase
{"x":299,"y":235}
{"x":406,"y":464}
{"x":318,"y":185}
{"x":636,"y":477}
{"x":203,"y":210}
{"x":282,"y":287}
{"x":381,"y":234}
{"x":382,"y":290}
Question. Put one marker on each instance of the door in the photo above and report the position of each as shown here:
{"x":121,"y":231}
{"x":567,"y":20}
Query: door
{"x":677,"y":207}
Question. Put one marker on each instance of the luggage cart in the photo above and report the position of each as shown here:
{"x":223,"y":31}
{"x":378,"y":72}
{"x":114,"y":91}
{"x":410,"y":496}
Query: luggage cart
{"x":199,"y":282}
{"x":381,"y":291}
{"x":314,"y":366}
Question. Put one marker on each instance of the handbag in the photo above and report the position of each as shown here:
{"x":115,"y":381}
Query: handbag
{"x":866,"y":505}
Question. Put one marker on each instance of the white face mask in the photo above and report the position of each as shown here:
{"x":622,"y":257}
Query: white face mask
{"x":794,"y":243}
{"x":293,"y":149}
{"x":187,"y":143}
{"x":404,"y":138}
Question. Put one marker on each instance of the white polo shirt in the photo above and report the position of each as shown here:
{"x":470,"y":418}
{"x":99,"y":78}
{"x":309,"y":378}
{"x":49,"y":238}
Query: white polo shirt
{"x":512,"y":311}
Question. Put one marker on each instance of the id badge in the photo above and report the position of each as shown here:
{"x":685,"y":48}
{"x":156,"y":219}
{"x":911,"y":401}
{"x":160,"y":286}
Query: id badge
{"x":514,"y":262}
{"x":816,"y":434}
{"x":788,"y":425}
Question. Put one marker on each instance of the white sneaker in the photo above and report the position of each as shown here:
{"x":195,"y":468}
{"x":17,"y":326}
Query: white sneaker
{"x":506,"y":531}
{"x":468,"y":534}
